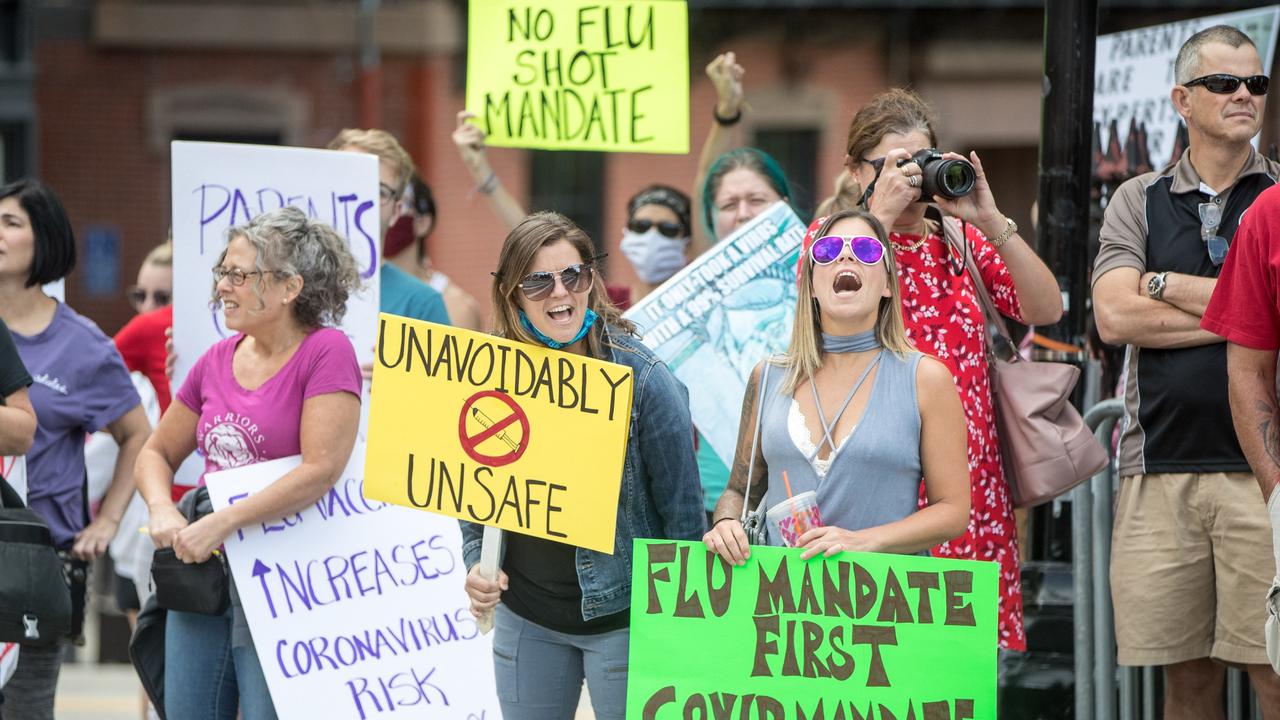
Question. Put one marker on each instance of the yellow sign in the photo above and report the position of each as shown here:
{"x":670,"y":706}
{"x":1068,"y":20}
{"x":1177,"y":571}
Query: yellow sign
{"x":580,"y":75}
{"x":497,"y":432}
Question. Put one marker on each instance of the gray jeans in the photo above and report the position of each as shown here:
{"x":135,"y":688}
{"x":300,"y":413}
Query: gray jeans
{"x":539,"y":672}
{"x":29,"y":693}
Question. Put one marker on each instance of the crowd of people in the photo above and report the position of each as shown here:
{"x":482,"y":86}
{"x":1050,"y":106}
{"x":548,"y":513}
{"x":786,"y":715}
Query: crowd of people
{"x":881,"y":404}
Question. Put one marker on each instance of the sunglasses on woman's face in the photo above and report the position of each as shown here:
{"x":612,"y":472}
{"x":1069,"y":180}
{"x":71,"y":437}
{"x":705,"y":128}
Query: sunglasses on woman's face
{"x":1225,"y":84}
{"x":866,"y":250}
{"x":667,"y":228}
{"x":138,"y":297}
{"x":538,"y":285}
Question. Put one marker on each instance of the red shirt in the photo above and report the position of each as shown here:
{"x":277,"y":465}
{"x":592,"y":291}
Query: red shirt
{"x":1244,"y":308}
{"x":141,"y":344}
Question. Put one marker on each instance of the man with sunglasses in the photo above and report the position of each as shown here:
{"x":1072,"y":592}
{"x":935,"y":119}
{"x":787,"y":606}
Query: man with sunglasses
{"x":1191,"y":548}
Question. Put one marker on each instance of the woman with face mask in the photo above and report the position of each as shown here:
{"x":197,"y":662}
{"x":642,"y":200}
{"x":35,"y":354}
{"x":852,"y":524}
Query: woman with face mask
{"x":656,"y":239}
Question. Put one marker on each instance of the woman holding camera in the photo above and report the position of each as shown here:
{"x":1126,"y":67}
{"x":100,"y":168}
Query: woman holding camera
{"x":940,"y":306}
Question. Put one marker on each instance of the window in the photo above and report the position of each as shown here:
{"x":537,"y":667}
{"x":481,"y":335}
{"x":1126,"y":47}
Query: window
{"x":231,"y":136}
{"x":13,"y":151}
{"x":570,"y":183}
{"x":11,"y":32}
{"x":796,"y":150}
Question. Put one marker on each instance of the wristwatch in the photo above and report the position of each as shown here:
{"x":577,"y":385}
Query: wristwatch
{"x":1155,"y":286}
{"x":1010,"y":227}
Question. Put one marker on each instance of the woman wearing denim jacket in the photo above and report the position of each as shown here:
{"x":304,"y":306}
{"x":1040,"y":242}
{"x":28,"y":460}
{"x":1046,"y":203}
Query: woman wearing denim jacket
{"x":561,"y":614}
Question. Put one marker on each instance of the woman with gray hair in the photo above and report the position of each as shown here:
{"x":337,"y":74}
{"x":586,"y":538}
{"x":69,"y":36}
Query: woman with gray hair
{"x":287,"y":383}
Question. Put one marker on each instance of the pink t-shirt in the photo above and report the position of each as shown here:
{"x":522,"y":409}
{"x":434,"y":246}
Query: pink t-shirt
{"x":240,"y":427}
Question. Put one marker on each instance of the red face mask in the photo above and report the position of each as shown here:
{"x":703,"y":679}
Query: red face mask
{"x":399,"y":237}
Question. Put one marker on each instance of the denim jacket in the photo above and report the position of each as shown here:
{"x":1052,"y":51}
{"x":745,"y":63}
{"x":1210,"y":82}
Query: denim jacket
{"x":660,"y":497}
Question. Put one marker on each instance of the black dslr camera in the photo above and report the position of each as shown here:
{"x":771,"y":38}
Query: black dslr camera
{"x":941,"y":176}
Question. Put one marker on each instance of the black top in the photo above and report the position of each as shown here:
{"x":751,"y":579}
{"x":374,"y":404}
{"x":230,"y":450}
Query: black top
{"x":13,"y":374}
{"x":543,"y":587}
{"x":1178,"y":418}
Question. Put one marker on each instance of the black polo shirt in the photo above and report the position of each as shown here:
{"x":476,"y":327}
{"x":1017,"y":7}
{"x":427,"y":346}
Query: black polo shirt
{"x":1177,"y":416}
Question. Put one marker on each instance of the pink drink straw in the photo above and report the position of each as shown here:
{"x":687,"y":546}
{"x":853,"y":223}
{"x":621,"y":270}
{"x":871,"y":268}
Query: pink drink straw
{"x":795,"y":517}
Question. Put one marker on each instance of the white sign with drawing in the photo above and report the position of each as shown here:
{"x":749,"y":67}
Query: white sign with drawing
{"x":723,"y":313}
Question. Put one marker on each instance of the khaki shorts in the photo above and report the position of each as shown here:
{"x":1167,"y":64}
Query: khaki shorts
{"x":1191,"y":563}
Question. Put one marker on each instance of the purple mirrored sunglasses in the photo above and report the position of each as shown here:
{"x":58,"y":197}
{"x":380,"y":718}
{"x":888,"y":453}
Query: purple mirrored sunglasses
{"x":866,"y":250}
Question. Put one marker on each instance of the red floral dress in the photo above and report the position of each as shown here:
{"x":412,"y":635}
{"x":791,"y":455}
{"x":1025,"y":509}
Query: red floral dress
{"x":944,"y":319}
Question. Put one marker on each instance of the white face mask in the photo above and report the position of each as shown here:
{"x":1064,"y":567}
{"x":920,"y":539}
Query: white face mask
{"x":655,"y":256}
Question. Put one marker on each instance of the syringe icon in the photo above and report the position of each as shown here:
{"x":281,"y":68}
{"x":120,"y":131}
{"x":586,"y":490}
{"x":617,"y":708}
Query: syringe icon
{"x":487,"y":422}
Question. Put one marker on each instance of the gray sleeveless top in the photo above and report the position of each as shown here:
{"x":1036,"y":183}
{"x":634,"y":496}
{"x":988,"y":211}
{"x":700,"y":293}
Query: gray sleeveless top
{"x":875,"y":476}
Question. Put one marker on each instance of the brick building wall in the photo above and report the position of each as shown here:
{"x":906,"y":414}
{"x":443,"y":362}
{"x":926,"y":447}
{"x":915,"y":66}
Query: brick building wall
{"x":102,"y":146}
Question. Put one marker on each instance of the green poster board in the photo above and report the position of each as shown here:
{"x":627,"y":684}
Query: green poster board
{"x":580,"y":75}
{"x":860,"y":636}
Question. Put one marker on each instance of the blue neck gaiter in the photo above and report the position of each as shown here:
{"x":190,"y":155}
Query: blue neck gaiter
{"x":859,"y":342}
{"x":588,"y":320}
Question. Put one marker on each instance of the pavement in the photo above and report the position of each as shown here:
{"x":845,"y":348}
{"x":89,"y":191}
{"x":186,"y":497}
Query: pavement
{"x":91,"y":691}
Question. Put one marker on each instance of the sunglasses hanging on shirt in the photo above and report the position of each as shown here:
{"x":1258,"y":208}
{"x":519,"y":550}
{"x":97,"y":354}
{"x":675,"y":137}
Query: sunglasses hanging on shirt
{"x":1210,"y":220}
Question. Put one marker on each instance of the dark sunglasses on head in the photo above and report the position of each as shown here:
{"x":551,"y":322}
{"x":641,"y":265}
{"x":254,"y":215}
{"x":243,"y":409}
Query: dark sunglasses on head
{"x":866,"y":250}
{"x":138,"y":296}
{"x":1225,"y":84}
{"x":667,"y":228}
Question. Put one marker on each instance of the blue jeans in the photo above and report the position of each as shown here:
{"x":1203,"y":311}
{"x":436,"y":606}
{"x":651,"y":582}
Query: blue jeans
{"x":205,"y":677}
{"x":539,"y":672}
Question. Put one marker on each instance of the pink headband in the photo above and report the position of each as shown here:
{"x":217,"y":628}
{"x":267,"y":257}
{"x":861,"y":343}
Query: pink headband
{"x":809,"y":237}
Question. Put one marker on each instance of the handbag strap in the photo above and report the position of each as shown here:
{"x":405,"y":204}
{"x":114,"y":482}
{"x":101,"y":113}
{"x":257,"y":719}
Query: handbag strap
{"x":953,"y":232}
{"x":755,"y":438}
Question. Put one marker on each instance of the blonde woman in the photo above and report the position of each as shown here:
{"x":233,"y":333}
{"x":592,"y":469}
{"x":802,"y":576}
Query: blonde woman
{"x":852,"y":411}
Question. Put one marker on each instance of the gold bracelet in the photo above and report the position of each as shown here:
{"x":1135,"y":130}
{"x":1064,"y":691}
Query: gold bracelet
{"x":1010,"y":229}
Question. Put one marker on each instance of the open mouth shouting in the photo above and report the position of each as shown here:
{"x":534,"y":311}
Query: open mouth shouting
{"x":561,"y":314}
{"x":846,"y":283}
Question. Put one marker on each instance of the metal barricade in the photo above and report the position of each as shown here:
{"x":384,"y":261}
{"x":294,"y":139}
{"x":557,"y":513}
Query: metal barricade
{"x":1102,"y":690}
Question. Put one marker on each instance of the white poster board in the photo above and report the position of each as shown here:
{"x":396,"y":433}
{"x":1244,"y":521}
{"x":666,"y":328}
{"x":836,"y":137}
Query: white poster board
{"x":1134,"y":74}
{"x":218,"y":185}
{"x":723,"y":313}
{"x":356,"y":607}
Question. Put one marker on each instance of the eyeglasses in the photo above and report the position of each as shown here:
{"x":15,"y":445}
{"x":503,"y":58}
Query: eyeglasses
{"x":235,"y":275}
{"x":1225,"y":84}
{"x":138,"y":297}
{"x":387,"y":194}
{"x":1210,"y":219}
{"x":866,"y":250}
{"x":576,"y":278}
{"x":667,"y":228}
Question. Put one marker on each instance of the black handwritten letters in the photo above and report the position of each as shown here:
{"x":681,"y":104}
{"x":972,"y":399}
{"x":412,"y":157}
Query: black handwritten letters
{"x":562,"y":89}
{"x":562,"y":382}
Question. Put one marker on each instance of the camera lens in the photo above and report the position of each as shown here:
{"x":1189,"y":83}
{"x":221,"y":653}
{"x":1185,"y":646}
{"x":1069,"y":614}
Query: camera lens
{"x":948,"y":178}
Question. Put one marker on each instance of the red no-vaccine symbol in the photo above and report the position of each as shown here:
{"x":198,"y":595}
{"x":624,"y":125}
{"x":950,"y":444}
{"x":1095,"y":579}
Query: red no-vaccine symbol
{"x":494,"y":421}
